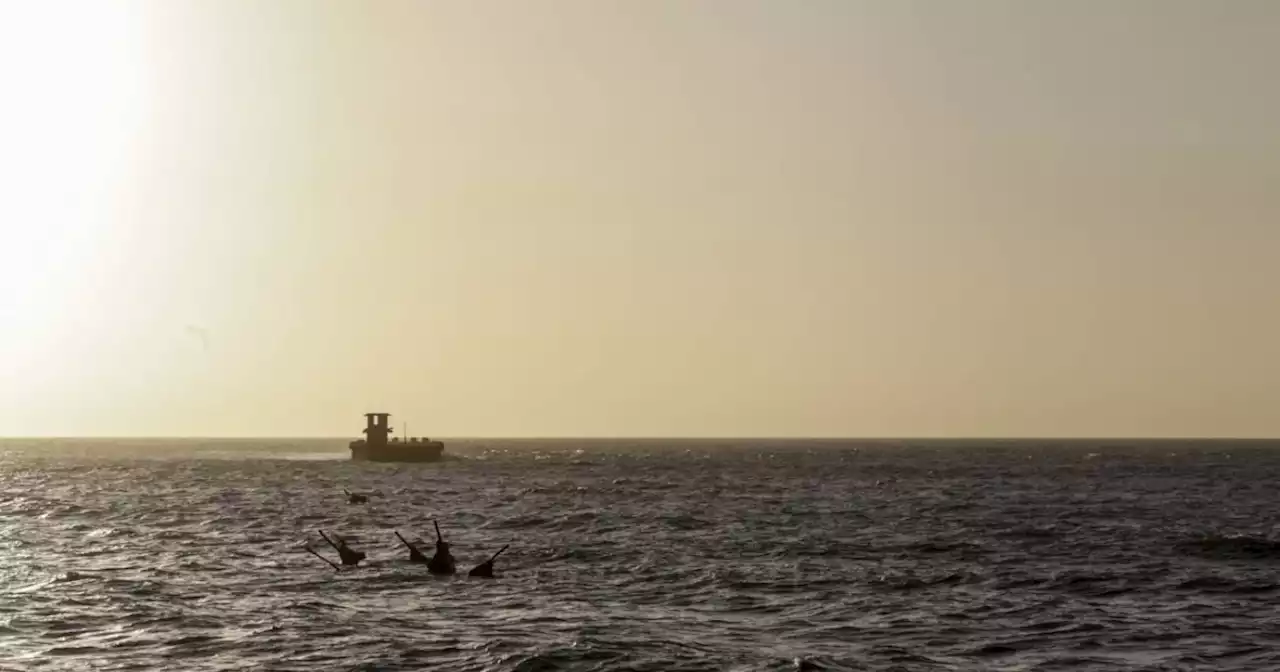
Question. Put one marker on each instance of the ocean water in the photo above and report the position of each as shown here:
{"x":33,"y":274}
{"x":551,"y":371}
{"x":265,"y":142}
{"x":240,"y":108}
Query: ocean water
{"x":645,"y":555}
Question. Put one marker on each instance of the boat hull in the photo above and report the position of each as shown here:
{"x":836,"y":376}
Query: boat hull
{"x":411,"y":451}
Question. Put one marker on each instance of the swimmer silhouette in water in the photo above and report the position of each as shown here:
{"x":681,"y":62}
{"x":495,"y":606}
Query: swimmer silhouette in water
{"x":346,"y":554}
{"x":485,"y":569}
{"x":312,"y":551}
{"x":353,"y":498}
{"x":414,"y":554}
{"x":442,"y":561}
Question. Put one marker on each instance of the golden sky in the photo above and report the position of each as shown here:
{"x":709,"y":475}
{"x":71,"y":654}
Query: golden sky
{"x":657,"y":217}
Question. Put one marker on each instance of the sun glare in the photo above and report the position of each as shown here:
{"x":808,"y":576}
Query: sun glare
{"x":71,"y":105}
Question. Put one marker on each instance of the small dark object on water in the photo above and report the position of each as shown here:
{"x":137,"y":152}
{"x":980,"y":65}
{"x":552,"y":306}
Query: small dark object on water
{"x":348,"y":555}
{"x":353,"y":498}
{"x":442,"y":561}
{"x":414,"y":554}
{"x":485,"y":569}
{"x":1232,"y":547}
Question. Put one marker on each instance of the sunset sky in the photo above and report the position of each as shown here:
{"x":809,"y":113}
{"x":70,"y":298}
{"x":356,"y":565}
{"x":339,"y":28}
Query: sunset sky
{"x":655,"y":217}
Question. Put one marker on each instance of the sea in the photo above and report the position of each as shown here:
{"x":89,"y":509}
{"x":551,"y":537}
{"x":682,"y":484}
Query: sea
{"x":731,"y":554}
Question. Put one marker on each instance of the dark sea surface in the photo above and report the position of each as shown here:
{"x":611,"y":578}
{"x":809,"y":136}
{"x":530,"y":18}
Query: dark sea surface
{"x":644,"y":555}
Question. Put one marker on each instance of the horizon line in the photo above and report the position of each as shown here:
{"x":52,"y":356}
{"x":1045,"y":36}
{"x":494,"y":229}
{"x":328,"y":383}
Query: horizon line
{"x":159,"y":437}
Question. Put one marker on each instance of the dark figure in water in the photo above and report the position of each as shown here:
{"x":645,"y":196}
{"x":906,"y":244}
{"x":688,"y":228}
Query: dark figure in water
{"x":346,"y":554}
{"x":353,"y":498}
{"x":442,"y":561}
{"x":485,"y":569}
{"x":414,"y":554}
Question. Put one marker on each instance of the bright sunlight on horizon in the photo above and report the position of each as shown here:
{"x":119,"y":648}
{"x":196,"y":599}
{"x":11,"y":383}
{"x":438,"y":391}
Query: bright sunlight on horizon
{"x":658,"y":218}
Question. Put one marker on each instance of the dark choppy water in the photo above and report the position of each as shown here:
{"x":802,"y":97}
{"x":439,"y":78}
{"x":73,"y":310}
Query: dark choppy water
{"x":645,"y":555}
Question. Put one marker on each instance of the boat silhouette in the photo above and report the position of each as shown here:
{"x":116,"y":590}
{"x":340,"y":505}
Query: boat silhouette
{"x":377,"y":447}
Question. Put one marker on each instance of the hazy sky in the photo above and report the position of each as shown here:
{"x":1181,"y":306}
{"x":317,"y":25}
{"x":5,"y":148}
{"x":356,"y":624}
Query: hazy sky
{"x":671,"y":218}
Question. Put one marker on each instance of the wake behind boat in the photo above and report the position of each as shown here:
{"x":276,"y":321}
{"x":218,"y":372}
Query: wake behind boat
{"x":377,"y":447}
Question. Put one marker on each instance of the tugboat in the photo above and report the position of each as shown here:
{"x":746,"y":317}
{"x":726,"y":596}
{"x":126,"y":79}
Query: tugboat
{"x":375,"y":447}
